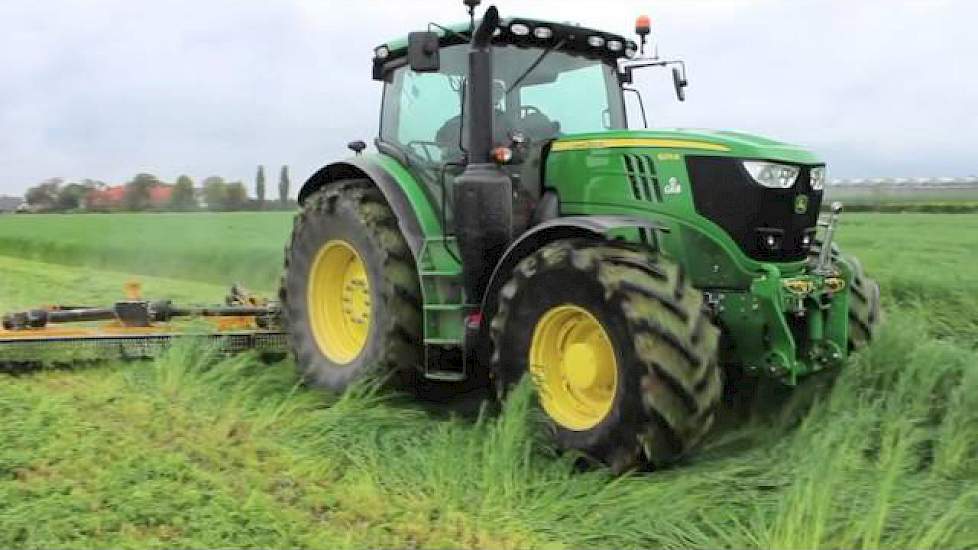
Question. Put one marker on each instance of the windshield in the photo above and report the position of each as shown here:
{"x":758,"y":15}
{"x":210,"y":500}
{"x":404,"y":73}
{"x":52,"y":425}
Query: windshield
{"x":563,"y":94}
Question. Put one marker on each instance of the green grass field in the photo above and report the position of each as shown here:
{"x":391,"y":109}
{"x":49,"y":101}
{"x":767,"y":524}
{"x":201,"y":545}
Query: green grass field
{"x":189,"y":451}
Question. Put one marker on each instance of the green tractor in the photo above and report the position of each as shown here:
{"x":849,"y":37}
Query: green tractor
{"x":511,"y":224}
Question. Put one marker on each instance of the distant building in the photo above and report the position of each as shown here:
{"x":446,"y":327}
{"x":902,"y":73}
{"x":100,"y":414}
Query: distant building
{"x":10,"y":204}
{"x":113,"y":198}
{"x":970,"y":181}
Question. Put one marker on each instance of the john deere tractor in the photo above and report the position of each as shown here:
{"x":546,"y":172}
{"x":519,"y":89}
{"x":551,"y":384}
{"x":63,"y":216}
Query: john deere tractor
{"x":511,"y":224}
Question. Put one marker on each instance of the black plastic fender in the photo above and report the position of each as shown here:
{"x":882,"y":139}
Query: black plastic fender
{"x":362,"y":167}
{"x":567,"y":227}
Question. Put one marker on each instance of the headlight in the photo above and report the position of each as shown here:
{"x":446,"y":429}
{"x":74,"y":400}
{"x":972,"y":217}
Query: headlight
{"x":770,"y":174}
{"x":630,"y":49}
{"x":818,"y":178}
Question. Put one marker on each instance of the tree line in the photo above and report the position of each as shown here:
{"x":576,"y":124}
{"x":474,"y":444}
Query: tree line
{"x":146,"y":192}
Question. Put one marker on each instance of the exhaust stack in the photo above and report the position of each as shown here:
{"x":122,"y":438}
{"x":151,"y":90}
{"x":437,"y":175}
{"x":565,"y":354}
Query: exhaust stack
{"x":483,"y":192}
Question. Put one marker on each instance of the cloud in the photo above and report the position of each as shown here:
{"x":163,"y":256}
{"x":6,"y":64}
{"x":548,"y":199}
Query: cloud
{"x":108,"y":88}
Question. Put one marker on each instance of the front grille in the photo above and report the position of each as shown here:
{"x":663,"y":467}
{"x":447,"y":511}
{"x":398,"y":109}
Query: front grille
{"x":726,"y":194}
{"x":641,"y":174}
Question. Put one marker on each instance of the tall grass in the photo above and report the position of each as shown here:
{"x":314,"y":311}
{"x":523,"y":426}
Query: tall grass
{"x":194,"y":451}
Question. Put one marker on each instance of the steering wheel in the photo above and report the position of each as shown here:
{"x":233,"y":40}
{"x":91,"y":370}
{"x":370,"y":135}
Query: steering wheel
{"x":537,"y":125}
{"x":425,"y":149}
{"x":527,"y":110}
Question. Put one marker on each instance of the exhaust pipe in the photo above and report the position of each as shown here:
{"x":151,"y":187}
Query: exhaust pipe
{"x":483,"y":203}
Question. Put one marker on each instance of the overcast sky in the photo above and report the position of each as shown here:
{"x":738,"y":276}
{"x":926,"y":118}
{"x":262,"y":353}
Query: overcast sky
{"x":108,"y":88}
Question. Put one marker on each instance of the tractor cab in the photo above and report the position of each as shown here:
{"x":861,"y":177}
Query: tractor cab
{"x":548,"y":80}
{"x":565,"y":93}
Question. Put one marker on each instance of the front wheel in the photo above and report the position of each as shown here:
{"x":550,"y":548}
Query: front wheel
{"x":618,"y":347}
{"x":864,"y":306}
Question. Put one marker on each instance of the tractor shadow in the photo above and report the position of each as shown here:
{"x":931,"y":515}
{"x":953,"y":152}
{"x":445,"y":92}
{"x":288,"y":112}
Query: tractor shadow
{"x":466,"y":399}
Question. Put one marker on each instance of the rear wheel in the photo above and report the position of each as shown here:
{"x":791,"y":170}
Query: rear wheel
{"x":350,"y":294}
{"x":617,"y":344}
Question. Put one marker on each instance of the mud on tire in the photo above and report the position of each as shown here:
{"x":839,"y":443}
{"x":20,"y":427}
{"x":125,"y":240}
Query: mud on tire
{"x":668,"y":382}
{"x":355,"y":212}
{"x":864,"y":306}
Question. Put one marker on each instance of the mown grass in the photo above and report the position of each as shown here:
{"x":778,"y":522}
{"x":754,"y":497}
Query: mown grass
{"x":28,"y":284}
{"x":216,"y":248}
{"x":192,"y":451}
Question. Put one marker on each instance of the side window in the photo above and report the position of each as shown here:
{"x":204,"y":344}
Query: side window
{"x":428,"y":103}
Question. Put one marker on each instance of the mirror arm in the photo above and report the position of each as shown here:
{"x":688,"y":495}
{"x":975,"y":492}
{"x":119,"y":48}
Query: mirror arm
{"x":641,"y":63}
{"x":625,"y":76}
{"x":447,"y":31}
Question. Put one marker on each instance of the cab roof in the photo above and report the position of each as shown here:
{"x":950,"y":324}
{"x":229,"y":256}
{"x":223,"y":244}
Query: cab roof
{"x":520,"y":31}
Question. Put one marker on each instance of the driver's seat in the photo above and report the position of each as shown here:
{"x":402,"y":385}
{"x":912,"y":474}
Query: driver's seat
{"x":449,"y":136}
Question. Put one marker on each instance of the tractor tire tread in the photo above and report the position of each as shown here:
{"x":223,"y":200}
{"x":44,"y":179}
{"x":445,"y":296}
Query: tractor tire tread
{"x":673,"y":339}
{"x":399,"y":288}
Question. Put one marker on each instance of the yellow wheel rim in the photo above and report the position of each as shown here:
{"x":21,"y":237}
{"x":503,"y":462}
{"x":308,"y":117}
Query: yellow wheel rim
{"x":338,"y":300}
{"x":573,"y":366}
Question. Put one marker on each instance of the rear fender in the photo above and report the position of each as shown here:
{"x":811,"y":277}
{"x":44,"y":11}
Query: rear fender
{"x":417,"y":215}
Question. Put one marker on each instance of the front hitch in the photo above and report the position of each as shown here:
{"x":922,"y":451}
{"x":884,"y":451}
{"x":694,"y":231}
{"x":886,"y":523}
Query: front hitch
{"x":824,"y":265}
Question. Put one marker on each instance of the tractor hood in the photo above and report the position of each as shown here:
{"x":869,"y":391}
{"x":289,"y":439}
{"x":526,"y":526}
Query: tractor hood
{"x":709,"y":142}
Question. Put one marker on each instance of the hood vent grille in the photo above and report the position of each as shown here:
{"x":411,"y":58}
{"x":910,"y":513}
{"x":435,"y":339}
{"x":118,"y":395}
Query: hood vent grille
{"x":641,"y":174}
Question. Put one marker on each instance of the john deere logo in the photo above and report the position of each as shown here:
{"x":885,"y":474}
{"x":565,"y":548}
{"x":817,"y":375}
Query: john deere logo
{"x":801,"y":204}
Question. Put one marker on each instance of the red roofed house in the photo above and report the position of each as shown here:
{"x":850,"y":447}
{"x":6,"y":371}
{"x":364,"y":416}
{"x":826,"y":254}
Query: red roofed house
{"x":160,"y":195}
{"x":113,"y":198}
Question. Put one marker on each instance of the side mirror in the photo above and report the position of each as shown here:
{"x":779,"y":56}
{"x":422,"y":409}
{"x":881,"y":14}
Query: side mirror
{"x":423,"y":52}
{"x":679,"y":82}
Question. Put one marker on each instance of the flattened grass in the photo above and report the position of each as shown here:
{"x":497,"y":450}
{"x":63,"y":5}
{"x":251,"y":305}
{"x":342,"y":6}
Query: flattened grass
{"x":194,"y":451}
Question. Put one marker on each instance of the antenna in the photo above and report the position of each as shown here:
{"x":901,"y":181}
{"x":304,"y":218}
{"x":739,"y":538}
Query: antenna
{"x":471,"y":5}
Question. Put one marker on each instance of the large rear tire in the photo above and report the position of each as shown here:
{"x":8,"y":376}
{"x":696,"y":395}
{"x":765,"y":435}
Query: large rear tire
{"x":620,"y":350}
{"x":350,"y":294}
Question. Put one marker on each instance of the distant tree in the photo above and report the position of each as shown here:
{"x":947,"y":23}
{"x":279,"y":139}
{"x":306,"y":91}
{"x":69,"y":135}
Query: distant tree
{"x":183,"y":198}
{"x":93,"y":184}
{"x":44,"y":196}
{"x":260,"y":187}
{"x":72,"y":196}
{"x":236,"y":197}
{"x":215,"y":191}
{"x":283,"y":187}
{"x":137,"y":195}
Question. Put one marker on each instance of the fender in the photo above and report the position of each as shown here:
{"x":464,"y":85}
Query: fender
{"x":567,"y":227}
{"x":408,"y":198}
